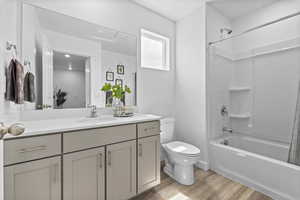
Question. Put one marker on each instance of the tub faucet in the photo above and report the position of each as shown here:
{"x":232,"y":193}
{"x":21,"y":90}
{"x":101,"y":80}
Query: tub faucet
{"x":93,"y":111}
{"x":227,"y":130}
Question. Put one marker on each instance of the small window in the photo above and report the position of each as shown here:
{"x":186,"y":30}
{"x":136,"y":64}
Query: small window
{"x":155,"y":51}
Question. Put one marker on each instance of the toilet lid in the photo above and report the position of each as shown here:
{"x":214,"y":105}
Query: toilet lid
{"x":183,"y":148}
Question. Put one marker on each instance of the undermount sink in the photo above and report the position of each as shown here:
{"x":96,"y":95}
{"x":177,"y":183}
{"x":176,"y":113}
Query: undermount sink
{"x":96,"y":119}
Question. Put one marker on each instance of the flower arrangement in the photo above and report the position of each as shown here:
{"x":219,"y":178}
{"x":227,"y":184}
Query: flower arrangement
{"x":118,"y":92}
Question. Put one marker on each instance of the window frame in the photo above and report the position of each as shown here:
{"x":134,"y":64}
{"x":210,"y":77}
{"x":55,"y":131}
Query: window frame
{"x":165,"y":49}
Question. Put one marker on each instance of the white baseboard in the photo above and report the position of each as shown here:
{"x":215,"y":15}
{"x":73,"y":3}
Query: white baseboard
{"x":203,"y":165}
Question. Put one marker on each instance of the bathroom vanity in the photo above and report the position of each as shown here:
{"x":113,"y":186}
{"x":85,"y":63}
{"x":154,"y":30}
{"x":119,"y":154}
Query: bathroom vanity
{"x":112,"y":159}
{"x":63,"y":155}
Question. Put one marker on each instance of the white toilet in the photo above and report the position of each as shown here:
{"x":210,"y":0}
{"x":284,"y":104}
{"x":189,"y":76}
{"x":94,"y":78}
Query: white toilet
{"x":180,"y":157}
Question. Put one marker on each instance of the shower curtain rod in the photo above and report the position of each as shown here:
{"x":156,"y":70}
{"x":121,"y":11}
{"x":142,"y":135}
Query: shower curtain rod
{"x":257,"y":27}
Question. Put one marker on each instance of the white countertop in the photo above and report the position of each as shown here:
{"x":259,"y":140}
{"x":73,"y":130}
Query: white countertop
{"x":41,"y":127}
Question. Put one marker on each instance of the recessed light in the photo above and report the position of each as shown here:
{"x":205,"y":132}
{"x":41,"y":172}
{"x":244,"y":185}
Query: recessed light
{"x":67,"y":56}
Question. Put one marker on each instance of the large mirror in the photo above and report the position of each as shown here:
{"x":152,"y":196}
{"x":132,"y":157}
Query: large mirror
{"x":72,"y":59}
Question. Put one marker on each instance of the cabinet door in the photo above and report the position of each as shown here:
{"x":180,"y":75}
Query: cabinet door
{"x":121,"y":170}
{"x":84,"y":176}
{"x":148,"y":163}
{"x":34,"y":180}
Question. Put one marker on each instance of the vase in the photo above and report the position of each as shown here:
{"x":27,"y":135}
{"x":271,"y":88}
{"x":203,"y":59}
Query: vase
{"x":118,"y":107}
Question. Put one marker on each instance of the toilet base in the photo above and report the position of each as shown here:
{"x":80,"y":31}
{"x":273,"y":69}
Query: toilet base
{"x":168,"y":170}
{"x":180,"y":173}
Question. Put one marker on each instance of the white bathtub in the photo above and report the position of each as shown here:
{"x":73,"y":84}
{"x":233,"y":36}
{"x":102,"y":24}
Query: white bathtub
{"x":257,"y":163}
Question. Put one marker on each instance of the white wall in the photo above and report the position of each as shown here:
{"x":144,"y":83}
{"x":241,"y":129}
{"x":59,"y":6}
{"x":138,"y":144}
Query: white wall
{"x":191,"y":118}
{"x":8,"y":19}
{"x":110,"y":60}
{"x":128,"y":17}
{"x":71,"y":81}
{"x":219,"y":70}
{"x":8,"y":22}
{"x":9,"y":27}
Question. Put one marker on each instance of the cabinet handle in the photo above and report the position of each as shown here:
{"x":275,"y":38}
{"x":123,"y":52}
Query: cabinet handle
{"x":33,"y":149}
{"x":149,"y":128}
{"x":55,"y":173}
{"x":140,"y":150}
{"x":109,"y":158}
{"x":100,"y":161}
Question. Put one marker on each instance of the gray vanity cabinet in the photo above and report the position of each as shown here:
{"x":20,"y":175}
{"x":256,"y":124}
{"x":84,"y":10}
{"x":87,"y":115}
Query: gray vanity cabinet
{"x":148,"y":163}
{"x":109,"y":163}
{"x":84,"y":175}
{"x":121,"y":170}
{"x":33,"y":180}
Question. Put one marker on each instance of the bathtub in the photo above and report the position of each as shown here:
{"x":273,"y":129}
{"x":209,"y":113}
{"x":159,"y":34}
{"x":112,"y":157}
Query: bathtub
{"x":258,"y":164}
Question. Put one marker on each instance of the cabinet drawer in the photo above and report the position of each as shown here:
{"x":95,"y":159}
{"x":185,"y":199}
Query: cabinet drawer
{"x":148,"y":129}
{"x":21,"y":150}
{"x":79,"y":140}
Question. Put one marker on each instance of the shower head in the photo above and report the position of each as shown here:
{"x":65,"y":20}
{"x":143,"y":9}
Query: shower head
{"x":226,"y":30}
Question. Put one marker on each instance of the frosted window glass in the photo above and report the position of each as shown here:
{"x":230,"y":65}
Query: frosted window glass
{"x":154,"y":51}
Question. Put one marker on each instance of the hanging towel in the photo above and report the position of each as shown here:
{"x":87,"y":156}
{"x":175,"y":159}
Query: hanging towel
{"x":10,"y":81}
{"x":29,"y":91}
{"x":14,"y":82}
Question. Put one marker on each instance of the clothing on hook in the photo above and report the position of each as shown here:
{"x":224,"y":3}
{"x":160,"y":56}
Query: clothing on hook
{"x":14,"y":82}
{"x":29,"y":88}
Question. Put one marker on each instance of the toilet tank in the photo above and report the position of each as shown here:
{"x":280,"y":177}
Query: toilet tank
{"x":167,"y":126}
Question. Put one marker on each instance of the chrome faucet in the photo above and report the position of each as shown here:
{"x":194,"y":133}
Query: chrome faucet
{"x":227,"y":130}
{"x":93,"y":111}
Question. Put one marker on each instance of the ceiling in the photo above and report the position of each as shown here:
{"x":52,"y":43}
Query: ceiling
{"x":172,"y":9}
{"x":60,"y":62}
{"x":178,"y":9}
{"x":111,"y":40}
{"x":233,"y":9}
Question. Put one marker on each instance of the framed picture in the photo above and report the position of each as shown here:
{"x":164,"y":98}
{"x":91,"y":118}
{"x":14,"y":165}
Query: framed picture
{"x":110,"y":76}
{"x":120,"y":69}
{"x":119,"y":82}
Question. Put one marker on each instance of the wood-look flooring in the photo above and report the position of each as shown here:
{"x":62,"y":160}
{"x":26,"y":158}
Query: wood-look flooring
{"x":208,"y":186}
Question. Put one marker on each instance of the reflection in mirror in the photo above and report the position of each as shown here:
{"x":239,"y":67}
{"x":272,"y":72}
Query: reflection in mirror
{"x":69,"y":73}
{"x":72,"y":64}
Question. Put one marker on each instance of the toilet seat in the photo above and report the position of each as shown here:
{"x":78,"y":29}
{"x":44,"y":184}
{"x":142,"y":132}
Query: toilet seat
{"x":183,"y":149}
